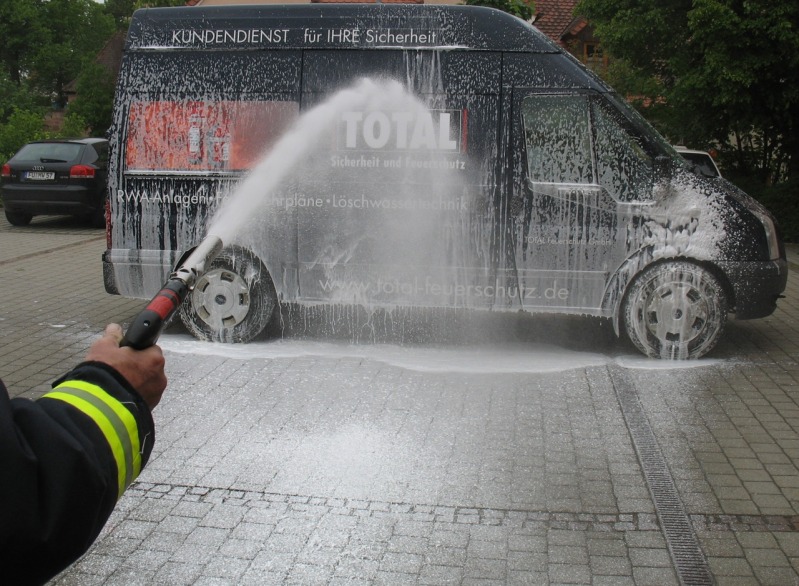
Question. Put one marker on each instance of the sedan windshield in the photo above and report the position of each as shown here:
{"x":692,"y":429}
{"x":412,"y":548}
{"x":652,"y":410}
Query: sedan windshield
{"x":703,"y":163}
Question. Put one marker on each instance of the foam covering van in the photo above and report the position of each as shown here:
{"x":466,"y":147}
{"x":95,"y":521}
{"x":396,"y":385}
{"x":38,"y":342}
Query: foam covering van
{"x":414,"y":156}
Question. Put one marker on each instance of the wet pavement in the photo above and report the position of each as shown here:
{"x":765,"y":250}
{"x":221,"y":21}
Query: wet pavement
{"x":519,"y":461}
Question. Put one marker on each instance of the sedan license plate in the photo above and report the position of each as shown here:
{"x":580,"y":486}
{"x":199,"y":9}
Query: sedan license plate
{"x":39,"y":175}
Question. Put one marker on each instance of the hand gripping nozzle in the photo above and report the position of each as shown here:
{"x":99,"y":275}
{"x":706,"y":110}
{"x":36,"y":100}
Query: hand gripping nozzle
{"x":145,"y":328}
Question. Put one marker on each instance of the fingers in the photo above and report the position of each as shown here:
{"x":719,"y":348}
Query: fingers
{"x":114,"y":331}
{"x":155,"y":356}
{"x":151,"y":379}
{"x":108,"y":342}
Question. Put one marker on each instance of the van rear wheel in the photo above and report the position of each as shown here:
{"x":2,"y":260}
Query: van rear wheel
{"x":233,"y":301}
{"x":675,"y":310}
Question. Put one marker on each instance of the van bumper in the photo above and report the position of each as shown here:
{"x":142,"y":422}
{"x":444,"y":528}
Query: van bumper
{"x":756,"y":286}
{"x":137,"y":273}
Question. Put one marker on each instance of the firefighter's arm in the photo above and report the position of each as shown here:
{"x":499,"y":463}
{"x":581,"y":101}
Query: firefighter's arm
{"x":68,"y":457}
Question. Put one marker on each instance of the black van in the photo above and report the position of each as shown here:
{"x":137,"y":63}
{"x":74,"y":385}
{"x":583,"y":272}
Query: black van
{"x":392,"y":155}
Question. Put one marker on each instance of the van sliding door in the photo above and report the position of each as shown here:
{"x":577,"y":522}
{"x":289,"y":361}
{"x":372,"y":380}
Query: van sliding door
{"x":396,"y":206}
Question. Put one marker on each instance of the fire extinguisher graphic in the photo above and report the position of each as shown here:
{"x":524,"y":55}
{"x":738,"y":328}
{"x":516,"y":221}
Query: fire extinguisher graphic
{"x":196,"y":123}
{"x":219,"y":140}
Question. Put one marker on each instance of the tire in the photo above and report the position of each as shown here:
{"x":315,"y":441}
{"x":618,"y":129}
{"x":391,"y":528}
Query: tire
{"x":675,"y":310}
{"x":234,"y":301}
{"x":96,"y":219}
{"x":18,"y":218}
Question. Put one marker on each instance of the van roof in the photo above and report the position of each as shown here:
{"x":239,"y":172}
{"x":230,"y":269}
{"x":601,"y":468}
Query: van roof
{"x":326,"y":26}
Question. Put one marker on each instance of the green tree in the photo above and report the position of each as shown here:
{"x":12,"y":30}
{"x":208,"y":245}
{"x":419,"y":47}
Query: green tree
{"x":158,"y":3}
{"x":77,"y":29}
{"x":23,"y":126}
{"x":22,"y":28}
{"x":722,"y":72}
{"x":44,"y":45}
{"x":15,"y":96}
{"x":521,"y":8}
{"x":74,"y":126}
{"x":95,"y":97}
{"x":121,"y":11}
{"x":750,"y":68}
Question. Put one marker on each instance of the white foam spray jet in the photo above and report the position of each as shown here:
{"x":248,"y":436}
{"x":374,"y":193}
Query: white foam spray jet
{"x":256,"y":189}
{"x":304,"y":137}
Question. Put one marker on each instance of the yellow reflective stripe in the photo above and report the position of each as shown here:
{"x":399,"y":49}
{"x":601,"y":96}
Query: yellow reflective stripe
{"x":128,"y":421}
{"x":115,"y":422}
{"x":128,"y":430}
{"x":105,"y":426}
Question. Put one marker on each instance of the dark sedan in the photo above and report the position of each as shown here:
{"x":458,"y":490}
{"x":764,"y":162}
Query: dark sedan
{"x":56,"y":177}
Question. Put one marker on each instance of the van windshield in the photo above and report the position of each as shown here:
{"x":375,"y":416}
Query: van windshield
{"x":657,"y":144}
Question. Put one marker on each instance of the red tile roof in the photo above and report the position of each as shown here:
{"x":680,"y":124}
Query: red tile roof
{"x":110,"y":57}
{"x":554,"y":16}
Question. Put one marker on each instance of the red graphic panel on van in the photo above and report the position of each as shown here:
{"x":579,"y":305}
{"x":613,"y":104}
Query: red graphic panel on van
{"x":203,"y":136}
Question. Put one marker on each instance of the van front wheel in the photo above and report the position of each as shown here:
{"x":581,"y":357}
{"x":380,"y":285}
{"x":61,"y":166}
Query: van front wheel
{"x":233,"y":301}
{"x":675,"y":310}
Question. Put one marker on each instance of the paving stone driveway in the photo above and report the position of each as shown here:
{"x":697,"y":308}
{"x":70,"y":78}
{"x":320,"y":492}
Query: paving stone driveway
{"x":301,"y":462}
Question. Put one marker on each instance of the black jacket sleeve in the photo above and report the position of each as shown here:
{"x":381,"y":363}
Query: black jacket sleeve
{"x":65,"y":460}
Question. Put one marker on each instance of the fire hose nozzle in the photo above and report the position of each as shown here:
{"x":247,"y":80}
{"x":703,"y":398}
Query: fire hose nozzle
{"x":145,"y":328}
{"x":195,"y":262}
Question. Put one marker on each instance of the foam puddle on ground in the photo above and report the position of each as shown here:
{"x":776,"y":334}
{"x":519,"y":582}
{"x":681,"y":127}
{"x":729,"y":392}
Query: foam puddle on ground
{"x":496,"y":358}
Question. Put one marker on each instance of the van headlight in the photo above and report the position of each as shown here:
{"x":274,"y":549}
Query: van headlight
{"x":771,"y":234}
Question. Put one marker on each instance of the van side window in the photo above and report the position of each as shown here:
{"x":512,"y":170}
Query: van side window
{"x":557,"y":132}
{"x":624,"y":168}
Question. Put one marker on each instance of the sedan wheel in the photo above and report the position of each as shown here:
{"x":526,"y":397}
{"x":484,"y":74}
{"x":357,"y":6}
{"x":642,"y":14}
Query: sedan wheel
{"x":18,"y":218}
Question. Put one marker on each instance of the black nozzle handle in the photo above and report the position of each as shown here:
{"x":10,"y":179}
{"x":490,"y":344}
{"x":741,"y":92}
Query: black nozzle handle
{"x":145,"y":328}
